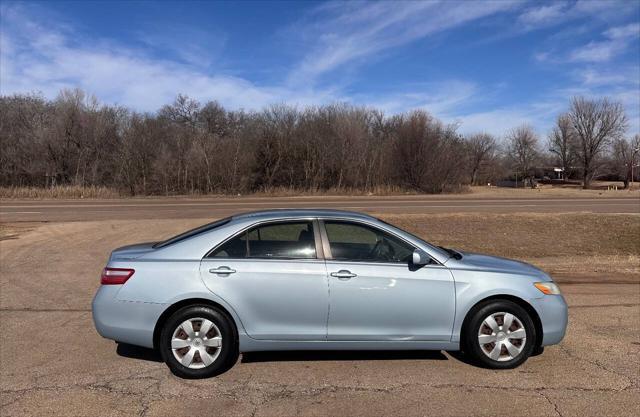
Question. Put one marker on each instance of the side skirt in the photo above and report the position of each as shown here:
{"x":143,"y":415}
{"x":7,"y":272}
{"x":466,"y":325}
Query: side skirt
{"x":248,"y":344}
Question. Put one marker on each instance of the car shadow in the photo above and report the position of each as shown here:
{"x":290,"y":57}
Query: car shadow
{"x":141,"y":353}
{"x":136,"y":352}
{"x":343,"y":355}
{"x":461,"y":357}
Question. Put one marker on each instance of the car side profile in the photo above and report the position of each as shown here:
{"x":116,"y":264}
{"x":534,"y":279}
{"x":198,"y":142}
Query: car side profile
{"x":320,"y":280}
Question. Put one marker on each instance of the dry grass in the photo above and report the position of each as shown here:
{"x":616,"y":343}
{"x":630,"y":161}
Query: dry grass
{"x":522,"y":235}
{"x":480,"y":192}
{"x":67,"y":191}
{"x":571,"y":242}
{"x":576,"y":245}
{"x":547,"y":191}
{"x":293,"y":192}
{"x":14,"y":230}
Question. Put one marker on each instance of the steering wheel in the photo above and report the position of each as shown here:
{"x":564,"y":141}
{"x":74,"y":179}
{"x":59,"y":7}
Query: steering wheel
{"x":382,"y":250}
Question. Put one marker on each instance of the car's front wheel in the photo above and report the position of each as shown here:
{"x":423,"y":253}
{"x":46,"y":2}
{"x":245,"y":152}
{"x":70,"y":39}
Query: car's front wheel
{"x":198,"y":342}
{"x":500,"y":335}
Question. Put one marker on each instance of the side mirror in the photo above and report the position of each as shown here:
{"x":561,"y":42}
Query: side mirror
{"x":420,"y":257}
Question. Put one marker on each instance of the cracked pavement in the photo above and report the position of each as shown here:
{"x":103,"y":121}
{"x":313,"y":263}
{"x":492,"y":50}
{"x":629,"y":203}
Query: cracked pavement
{"x":52,"y":361}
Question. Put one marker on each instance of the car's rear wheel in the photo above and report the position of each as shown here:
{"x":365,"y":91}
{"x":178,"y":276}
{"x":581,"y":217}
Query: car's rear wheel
{"x":198,"y":342}
{"x":500,"y":335}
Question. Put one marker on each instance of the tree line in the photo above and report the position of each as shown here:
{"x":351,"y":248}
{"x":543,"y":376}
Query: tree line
{"x":190,"y":147}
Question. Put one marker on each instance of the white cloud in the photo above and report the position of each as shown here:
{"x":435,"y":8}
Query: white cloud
{"x":35,"y":57}
{"x":542,"y":113}
{"x":543,"y":15}
{"x":596,"y":52}
{"x":188,"y":44}
{"x":618,"y":39}
{"x":47,"y":57}
{"x":439,"y":99}
{"x":343,"y":33}
{"x":542,"y":56}
{"x":496,"y":122}
{"x":631,"y":30}
{"x":602,"y":7}
{"x":595,"y":77}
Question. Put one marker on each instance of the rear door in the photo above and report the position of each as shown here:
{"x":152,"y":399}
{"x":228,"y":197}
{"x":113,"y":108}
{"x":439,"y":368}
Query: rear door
{"x":375,"y":291}
{"x":274,"y":276}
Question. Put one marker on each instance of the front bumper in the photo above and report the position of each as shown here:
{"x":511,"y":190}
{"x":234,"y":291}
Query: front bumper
{"x":554,"y":316}
{"x":124,"y":321}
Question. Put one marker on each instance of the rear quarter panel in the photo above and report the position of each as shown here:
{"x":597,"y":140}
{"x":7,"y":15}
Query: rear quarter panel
{"x":159,"y":282}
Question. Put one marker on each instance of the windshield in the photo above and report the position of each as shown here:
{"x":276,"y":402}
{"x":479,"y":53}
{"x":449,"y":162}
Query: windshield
{"x":193,"y":232}
{"x":447,"y":253}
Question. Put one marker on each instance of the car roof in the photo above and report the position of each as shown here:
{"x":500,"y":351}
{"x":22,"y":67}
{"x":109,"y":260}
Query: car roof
{"x":292,"y":213}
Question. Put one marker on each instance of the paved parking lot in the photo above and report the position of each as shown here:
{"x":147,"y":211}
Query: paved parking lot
{"x":54,"y":363}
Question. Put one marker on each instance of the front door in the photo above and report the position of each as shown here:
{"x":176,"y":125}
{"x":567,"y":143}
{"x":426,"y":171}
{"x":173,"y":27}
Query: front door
{"x":377,"y":294}
{"x":273,"y":278}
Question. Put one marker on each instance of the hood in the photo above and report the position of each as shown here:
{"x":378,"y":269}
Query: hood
{"x":494,"y":263}
{"x":132,"y":251}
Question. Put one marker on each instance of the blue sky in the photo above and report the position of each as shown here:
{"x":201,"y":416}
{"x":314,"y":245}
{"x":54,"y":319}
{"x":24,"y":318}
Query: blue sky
{"x":488,"y":66}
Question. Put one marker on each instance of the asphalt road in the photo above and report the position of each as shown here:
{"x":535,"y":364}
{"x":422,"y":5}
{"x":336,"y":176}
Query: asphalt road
{"x":52,"y":361}
{"x":174,"y":208}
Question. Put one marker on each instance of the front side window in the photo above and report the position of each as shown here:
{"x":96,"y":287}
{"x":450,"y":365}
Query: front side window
{"x":358,"y":242}
{"x":290,"y":240}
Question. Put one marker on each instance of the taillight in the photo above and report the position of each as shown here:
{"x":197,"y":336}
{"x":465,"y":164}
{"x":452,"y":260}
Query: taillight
{"x":115,"y":276}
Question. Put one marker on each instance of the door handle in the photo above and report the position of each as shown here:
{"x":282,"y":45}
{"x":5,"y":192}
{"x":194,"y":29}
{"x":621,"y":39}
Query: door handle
{"x":343,"y":274}
{"x":223,"y":270}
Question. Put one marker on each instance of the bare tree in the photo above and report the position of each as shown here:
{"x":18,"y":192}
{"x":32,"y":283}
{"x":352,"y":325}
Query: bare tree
{"x":522,"y":150}
{"x":137,"y":151}
{"x":562,"y":143}
{"x":24,"y":124}
{"x":624,"y":152}
{"x":183,"y":110}
{"x":481,"y":148}
{"x":274,"y":141}
{"x":596,"y":124}
{"x":187,"y":147}
{"x":427,"y":153}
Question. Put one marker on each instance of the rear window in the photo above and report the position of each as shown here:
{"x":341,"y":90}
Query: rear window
{"x":193,"y":232}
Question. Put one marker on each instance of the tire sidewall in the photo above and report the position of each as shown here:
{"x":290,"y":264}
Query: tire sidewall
{"x":229,"y":349}
{"x":471,"y":334}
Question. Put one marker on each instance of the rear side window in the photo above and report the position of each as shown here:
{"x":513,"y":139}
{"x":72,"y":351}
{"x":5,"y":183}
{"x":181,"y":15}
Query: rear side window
{"x":287,"y":240}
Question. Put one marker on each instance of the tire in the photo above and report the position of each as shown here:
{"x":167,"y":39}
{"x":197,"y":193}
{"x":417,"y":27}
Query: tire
{"x":196,"y":355}
{"x":506,"y":348}
{"x":538,"y":350}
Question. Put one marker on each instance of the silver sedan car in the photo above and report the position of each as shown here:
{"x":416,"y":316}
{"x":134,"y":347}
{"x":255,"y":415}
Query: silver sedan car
{"x":316,"y":280}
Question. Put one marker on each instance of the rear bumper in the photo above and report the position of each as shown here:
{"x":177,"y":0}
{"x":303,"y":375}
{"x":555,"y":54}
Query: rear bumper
{"x":554,"y":316}
{"x":124,"y":321}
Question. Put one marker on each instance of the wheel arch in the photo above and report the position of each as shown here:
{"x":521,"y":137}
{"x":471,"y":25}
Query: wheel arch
{"x":537,"y":323}
{"x":186,"y":303}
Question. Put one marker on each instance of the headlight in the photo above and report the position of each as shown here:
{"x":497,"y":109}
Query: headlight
{"x":548,"y":288}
